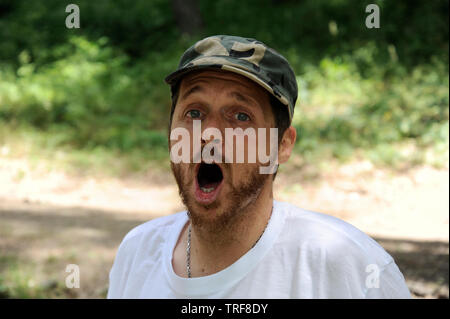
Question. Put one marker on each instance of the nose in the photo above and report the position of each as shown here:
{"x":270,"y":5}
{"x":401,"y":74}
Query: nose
{"x":214,"y":141}
{"x":213,"y":132}
{"x":212,"y":129}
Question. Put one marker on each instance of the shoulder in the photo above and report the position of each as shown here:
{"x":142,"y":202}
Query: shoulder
{"x":149,"y":235}
{"x":139,"y":244}
{"x":329,"y":235}
{"x":146,"y":240}
{"x":153,"y":228}
{"x":345,"y":259}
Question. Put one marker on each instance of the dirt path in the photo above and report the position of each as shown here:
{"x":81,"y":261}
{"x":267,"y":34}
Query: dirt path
{"x":49,"y":219}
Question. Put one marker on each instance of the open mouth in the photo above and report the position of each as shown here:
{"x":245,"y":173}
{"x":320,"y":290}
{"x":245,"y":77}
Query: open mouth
{"x":208,"y":182}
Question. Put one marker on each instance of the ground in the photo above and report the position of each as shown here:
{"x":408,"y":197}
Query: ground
{"x":49,"y":219}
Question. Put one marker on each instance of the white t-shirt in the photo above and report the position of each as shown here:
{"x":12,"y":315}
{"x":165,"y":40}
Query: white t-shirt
{"x":301,"y":254}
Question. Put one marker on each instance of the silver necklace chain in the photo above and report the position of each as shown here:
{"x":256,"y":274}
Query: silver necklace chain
{"x":188,"y":249}
{"x":188,"y":253}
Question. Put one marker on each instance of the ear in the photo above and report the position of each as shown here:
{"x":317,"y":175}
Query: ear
{"x":287,"y":144}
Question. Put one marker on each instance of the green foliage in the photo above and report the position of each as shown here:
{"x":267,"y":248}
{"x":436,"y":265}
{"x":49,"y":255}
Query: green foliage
{"x":344,"y":109}
{"x":101,"y":86}
{"x":18,"y":280}
{"x":39,"y":26}
{"x":87,"y":94}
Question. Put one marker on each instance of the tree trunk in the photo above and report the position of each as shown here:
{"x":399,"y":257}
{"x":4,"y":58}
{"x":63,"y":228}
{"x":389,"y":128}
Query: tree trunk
{"x":187,"y":15}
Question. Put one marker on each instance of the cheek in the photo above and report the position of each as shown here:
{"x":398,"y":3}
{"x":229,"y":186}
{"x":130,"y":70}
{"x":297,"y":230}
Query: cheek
{"x":183,"y":173}
{"x":240,"y":173}
{"x":265,"y":145}
{"x":181,"y":144}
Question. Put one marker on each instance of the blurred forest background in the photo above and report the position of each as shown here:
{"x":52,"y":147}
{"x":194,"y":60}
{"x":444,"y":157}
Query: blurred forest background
{"x":94,"y":100}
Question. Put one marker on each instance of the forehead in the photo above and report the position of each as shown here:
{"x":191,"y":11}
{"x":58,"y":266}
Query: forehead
{"x":223,"y":80}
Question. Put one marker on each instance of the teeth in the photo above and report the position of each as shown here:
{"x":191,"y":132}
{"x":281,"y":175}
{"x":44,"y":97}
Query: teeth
{"x":207,"y":190}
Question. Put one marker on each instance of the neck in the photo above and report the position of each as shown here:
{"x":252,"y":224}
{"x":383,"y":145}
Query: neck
{"x":212,"y":251}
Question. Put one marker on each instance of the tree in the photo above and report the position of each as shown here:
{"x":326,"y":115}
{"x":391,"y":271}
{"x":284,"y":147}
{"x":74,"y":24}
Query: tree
{"x":187,"y":15}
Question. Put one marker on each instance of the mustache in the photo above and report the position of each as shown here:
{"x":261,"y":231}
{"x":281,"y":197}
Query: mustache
{"x":215,"y":155}
{"x":178,"y":171}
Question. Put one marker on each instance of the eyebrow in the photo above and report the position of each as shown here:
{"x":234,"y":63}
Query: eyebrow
{"x":192,"y":90}
{"x":240,"y":97}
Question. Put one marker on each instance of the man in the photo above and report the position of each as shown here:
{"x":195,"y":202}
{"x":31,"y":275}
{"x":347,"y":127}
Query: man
{"x":234,"y":240}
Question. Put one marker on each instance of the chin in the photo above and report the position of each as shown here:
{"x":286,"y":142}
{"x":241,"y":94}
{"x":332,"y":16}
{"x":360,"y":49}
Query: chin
{"x":211,"y":198}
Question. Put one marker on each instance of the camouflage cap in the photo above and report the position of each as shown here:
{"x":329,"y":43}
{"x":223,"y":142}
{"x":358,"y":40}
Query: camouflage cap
{"x":245,"y":56}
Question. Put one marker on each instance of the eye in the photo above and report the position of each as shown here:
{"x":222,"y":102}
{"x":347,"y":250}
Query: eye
{"x":194,"y":114}
{"x":242,"y":117}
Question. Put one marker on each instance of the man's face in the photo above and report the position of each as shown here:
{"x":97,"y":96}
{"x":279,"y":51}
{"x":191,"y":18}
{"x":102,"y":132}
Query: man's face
{"x":216,"y":194}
